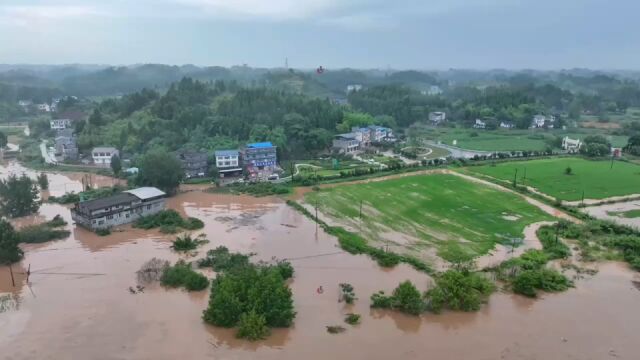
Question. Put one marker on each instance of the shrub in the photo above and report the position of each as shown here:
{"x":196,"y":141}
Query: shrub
{"x":528,"y":281}
{"x":335,"y":329}
{"x":252,"y":326}
{"x":10,"y":252}
{"x":43,"y":181}
{"x":68,"y":198}
{"x":352,"y":319}
{"x":285,"y":268}
{"x":182,"y":275}
{"x":459,"y":290}
{"x":220,"y":259}
{"x":405,"y":298}
{"x":347,"y":293}
{"x":186,"y":242}
{"x":168,"y":221}
{"x":103,"y":232}
{"x":44,"y":232}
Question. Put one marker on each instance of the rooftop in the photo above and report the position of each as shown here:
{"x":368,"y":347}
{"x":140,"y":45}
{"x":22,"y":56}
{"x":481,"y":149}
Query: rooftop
{"x":144,"y":193}
{"x":227,"y":153}
{"x":102,"y":203}
{"x":347,"y":136}
{"x":260,"y":145}
{"x":104,"y":149}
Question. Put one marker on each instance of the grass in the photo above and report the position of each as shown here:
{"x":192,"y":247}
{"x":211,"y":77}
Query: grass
{"x":596,"y":178}
{"x":461,"y":219}
{"x":47,"y":231}
{"x":510,"y":139}
{"x":169,"y":222}
{"x":631,"y":214}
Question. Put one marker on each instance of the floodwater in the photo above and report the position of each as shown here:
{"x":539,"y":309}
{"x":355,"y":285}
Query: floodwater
{"x":608,"y":212}
{"x":77,"y":304}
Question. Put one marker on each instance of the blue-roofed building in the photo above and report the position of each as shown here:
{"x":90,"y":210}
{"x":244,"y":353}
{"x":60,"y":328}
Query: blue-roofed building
{"x":260,"y":155}
{"x":380,"y":133}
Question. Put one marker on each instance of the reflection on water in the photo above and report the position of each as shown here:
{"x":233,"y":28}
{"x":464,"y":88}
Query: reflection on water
{"x":78,"y":304}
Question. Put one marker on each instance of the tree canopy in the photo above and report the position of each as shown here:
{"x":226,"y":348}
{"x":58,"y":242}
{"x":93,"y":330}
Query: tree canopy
{"x":160,"y":169}
{"x":18,"y":196}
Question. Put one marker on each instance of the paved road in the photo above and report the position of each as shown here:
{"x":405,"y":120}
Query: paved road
{"x":48,"y":158}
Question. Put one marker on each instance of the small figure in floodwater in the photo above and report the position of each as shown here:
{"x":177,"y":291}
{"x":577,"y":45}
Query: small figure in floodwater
{"x":320,"y":290}
{"x":132,"y":290}
{"x":140,"y":288}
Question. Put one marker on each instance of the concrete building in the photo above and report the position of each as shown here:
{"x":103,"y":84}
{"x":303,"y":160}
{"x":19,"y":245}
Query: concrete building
{"x":119,"y":209}
{"x":66,"y":146}
{"x":540,"y":121}
{"x":571,"y":145}
{"x":479,"y":124}
{"x":354,"y":87}
{"x":363,"y":135}
{"x":437,"y":117}
{"x":102,"y":155}
{"x":44,"y":107}
{"x":228,"y":162}
{"x":260,"y":155}
{"x":346,"y":143}
{"x":434,"y":90}
{"x":507,"y":125}
{"x":194,"y":163}
{"x":60,"y":124}
{"x":379,"y":133}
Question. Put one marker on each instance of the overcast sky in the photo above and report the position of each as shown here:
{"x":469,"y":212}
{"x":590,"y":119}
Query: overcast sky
{"x":418,"y":34}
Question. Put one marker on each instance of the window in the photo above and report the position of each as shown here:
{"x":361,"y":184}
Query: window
{"x":148,"y":207}
{"x":93,"y":222}
{"x":126,"y":215}
{"x":100,"y":222}
{"x":109,"y":217}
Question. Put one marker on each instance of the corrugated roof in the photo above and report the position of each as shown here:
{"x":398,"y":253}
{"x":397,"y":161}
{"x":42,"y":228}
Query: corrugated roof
{"x":227,"y":153}
{"x":260,"y":145}
{"x":144,"y":193}
{"x":104,"y":149}
{"x":96,"y":204}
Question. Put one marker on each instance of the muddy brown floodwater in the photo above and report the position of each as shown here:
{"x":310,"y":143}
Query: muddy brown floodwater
{"x":77,"y":304}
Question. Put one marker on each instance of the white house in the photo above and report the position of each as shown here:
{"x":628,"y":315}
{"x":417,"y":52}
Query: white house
{"x":479,"y":124}
{"x":363,"y":135}
{"x":25,"y":103}
{"x":434,"y":90}
{"x":539,"y":121}
{"x":571,"y":145}
{"x":346,"y":143}
{"x":227,"y":159}
{"x":379,"y":133}
{"x":44,"y":107}
{"x":102,"y":155}
{"x":507,"y":125}
{"x":354,"y":87}
{"x":437,"y":117}
{"x":60,"y":124}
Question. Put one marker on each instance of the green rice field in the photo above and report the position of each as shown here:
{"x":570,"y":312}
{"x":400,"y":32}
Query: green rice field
{"x":452,"y":216}
{"x":596,"y":178}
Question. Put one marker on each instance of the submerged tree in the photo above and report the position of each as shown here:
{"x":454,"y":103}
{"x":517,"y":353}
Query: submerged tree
{"x":18,"y":196}
{"x":43,"y":181}
{"x":9,"y":250}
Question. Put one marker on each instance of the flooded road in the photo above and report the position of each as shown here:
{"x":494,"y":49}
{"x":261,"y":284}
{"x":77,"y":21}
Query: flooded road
{"x":78,"y":306}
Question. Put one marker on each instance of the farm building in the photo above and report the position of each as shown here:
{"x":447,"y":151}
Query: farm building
{"x":118,"y":209}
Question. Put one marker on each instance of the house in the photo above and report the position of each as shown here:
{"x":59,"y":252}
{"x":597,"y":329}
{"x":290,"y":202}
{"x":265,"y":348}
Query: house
{"x":616,"y":152}
{"x":102,"y":155}
{"x":346,"y":143}
{"x":437,"y":117}
{"x":228,"y":162}
{"x":44,"y":107}
{"x":66,"y":145}
{"x":363,"y":135}
{"x":434,"y":90}
{"x":25,"y":103}
{"x":354,"y":87}
{"x":118,"y":209}
{"x":479,"y":124}
{"x":379,"y":133}
{"x":507,"y":125}
{"x":194,"y":163}
{"x":260,"y":155}
{"x":60,"y":124}
{"x":571,"y":145}
{"x":540,"y":121}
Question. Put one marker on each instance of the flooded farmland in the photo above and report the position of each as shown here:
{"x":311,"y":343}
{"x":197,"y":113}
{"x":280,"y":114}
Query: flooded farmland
{"x":77,"y":303}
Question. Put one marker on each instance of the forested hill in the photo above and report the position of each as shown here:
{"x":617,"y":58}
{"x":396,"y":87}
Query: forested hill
{"x":219,"y":115}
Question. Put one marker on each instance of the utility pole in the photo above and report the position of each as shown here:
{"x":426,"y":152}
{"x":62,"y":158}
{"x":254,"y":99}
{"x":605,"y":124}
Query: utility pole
{"x":582,"y":197}
{"x":13,"y":281}
{"x":317,"y":215}
{"x":612,"y":157}
{"x":525,"y":175}
{"x":515,"y":178}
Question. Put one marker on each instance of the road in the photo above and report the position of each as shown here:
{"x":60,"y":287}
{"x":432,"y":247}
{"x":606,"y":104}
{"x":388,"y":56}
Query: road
{"x":48,"y":158}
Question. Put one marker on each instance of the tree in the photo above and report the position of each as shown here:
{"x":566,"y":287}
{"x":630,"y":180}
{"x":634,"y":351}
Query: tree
{"x":459,"y":290}
{"x":160,"y":169}
{"x":18,"y":196}
{"x":116,"y":164}
{"x":595,"y":146}
{"x":407,"y":298}
{"x":568,"y":170}
{"x":3,"y":140}
{"x":43,"y":181}
{"x":9,"y":250}
{"x":252,"y":326}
